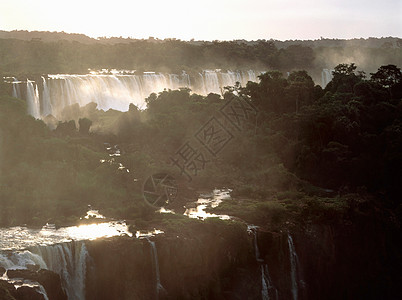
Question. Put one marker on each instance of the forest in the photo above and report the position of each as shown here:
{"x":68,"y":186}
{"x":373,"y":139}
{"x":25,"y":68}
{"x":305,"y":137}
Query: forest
{"x":299,"y":143}
{"x":23,"y":53}
{"x":321,"y":164}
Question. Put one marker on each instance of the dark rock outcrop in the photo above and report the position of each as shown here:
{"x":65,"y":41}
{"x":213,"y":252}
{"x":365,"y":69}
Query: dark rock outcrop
{"x":354,"y":261}
{"x":215,"y":261}
{"x":48,"y":279}
{"x":7,"y":290}
{"x":28,"y":293}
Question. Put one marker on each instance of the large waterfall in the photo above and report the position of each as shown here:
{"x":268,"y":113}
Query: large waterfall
{"x":52,"y":94}
{"x":61,"y":250}
{"x":155,"y":264}
{"x":267,"y":287}
{"x":69,"y":261}
{"x":33,"y":99}
{"x":326,"y":77}
{"x":66,"y":259}
{"x":293,"y":267}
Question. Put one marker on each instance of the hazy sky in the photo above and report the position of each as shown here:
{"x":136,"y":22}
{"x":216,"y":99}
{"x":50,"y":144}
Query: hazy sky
{"x":208,"y":19}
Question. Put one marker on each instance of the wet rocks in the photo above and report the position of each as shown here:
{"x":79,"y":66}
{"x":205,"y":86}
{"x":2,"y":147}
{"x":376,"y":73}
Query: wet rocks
{"x":48,"y":279}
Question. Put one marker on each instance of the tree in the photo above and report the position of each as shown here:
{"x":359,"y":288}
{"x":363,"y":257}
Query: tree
{"x":269,"y":94}
{"x":344,"y":79}
{"x":300,"y":89}
{"x":66,"y":128}
{"x":387,"y":76}
{"x":84,"y":124}
{"x":344,"y":69}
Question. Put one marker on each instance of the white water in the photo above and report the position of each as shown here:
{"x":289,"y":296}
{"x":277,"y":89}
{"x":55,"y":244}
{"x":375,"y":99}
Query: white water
{"x":28,"y":283}
{"x":293,"y":267}
{"x":265,"y":284}
{"x":47,"y":105}
{"x":208,"y":200}
{"x":33,"y":100}
{"x":267,"y":287}
{"x":69,"y":261}
{"x":118,"y":90}
{"x":62,"y":250}
{"x":253,"y":230}
{"x":155,"y":263}
{"x":19,"y":238}
{"x":16,"y":88}
{"x":326,"y":77}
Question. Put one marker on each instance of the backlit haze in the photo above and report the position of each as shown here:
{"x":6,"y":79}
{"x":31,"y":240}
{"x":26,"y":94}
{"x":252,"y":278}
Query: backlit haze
{"x":208,"y":19}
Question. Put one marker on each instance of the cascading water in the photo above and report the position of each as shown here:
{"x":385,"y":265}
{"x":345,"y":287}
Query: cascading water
{"x":46,"y":104}
{"x":264,"y":284}
{"x":16,"y":88}
{"x":267,"y":286}
{"x":117,"y":91}
{"x":69,"y":261}
{"x":326,"y":77}
{"x":33,"y":100}
{"x":293,"y":267}
{"x":20,"y":260}
{"x":155,"y":264}
{"x":61,"y":250}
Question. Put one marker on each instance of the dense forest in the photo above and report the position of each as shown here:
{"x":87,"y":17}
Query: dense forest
{"x":324,"y":164}
{"x":24,"y":53}
{"x":304,"y":142}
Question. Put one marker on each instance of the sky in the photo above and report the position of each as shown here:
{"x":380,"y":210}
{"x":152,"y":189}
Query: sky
{"x":208,"y":19}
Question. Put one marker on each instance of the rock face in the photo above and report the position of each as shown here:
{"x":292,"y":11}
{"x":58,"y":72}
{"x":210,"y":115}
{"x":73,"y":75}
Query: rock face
{"x":215,"y":263}
{"x":335,"y":262}
{"x":350,"y":262}
{"x":7,"y":290}
{"x":49,"y":280}
{"x":28,"y":293}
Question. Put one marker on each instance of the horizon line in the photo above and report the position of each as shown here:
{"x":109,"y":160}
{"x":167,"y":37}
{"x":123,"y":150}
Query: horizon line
{"x":99,"y":38}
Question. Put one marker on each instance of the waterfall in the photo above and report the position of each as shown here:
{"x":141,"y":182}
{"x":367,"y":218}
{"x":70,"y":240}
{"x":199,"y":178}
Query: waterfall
{"x":117,"y":91}
{"x":251,"y":76}
{"x":47,"y":106}
{"x":16,"y":88}
{"x":42,"y":291}
{"x":69,"y":261}
{"x":326,"y":77}
{"x":293,"y":267}
{"x":253,"y":230}
{"x":211,"y":82}
{"x":33,"y":99}
{"x":20,"y":260}
{"x":267,"y":286}
{"x":155,"y":264}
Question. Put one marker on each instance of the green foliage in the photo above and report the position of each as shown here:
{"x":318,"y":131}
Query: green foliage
{"x":387,"y":76}
{"x":346,"y":137}
{"x":38,"y":57}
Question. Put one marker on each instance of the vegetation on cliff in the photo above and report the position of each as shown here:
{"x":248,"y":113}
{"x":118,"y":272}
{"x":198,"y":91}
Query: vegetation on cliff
{"x":302,"y":144}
